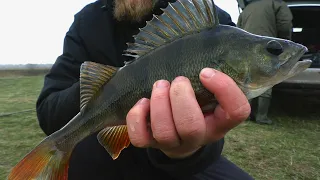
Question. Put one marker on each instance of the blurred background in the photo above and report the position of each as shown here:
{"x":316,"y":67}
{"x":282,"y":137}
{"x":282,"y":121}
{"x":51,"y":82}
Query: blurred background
{"x":25,"y":25}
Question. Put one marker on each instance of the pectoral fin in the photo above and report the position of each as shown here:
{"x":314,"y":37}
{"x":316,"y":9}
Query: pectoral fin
{"x":114,"y":139}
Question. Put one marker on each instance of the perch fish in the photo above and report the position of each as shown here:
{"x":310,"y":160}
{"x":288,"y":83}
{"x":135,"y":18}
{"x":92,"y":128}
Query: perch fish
{"x":182,"y":41}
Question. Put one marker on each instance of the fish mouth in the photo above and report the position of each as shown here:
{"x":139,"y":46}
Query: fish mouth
{"x":293,"y":66}
{"x":295,"y":57}
{"x":299,"y":67}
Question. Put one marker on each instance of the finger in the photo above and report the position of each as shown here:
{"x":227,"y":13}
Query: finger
{"x":228,"y":94}
{"x":162,"y":125}
{"x":139,"y":134}
{"x":233,"y":105}
{"x":187,"y":115}
{"x":217,"y":124}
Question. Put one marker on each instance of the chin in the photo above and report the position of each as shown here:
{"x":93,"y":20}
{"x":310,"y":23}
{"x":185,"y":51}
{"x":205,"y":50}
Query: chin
{"x":132,"y":10}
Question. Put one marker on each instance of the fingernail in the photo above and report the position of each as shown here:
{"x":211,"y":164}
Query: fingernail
{"x":207,"y":73}
{"x":142,"y":101}
{"x":180,"y":78}
{"x":162,"y":84}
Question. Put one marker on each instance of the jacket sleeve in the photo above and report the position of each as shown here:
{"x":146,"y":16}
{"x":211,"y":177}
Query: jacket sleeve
{"x":224,"y":17}
{"x":59,"y":99}
{"x":190,"y":166}
{"x":283,"y":19}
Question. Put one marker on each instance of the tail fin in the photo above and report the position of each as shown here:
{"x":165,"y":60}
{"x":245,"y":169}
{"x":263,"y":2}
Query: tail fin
{"x":46,"y":161}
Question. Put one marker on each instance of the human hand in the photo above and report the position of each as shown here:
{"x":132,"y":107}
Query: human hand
{"x":177,"y":125}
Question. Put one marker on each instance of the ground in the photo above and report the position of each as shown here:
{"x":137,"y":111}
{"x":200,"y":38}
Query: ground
{"x":288,"y":149}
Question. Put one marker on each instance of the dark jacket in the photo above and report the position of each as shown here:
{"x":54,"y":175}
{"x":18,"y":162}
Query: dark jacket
{"x":268,"y":18}
{"x":96,"y":36}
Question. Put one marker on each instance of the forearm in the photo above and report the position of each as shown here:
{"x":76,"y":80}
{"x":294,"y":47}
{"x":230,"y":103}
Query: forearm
{"x":59,"y":99}
{"x":58,"y":108}
{"x":284,"y":20}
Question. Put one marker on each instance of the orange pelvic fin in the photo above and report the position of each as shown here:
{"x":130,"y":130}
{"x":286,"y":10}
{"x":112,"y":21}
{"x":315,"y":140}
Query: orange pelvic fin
{"x":44,"y":162}
{"x":114,"y":139}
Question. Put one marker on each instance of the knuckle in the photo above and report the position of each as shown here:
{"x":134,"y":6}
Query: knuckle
{"x":133,"y":114}
{"x":167,"y":137}
{"x":242,"y":113}
{"x":138,"y":141}
{"x":176,"y":89}
{"x":138,"y":111}
{"x":192,"y":131}
{"x":223,"y":84}
{"x":159,"y":96}
{"x":164,"y":136}
{"x":191,"y":126}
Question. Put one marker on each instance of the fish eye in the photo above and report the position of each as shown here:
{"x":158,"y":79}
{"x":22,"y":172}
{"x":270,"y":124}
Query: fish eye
{"x":274,"y":47}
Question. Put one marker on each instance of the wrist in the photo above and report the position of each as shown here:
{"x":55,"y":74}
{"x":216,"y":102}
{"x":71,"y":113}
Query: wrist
{"x":180,"y":154}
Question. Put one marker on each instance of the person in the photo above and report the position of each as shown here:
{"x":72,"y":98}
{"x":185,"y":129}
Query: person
{"x":99,"y":33}
{"x":271,"y":18}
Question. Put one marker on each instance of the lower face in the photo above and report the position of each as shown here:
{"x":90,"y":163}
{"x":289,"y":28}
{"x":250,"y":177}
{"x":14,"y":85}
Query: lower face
{"x":133,"y":10}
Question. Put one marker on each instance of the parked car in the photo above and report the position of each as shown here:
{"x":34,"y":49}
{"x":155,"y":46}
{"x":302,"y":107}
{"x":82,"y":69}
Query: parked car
{"x":306,"y":31}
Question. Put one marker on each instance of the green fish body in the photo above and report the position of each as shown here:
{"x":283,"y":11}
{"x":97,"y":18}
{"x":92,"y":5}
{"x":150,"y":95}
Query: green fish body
{"x":182,"y":41}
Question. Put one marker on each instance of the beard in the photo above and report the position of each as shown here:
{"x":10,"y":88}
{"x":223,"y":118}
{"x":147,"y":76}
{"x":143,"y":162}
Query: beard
{"x":132,"y":10}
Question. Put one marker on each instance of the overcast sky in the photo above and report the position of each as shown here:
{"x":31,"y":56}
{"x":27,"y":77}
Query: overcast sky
{"x":33,"y":31}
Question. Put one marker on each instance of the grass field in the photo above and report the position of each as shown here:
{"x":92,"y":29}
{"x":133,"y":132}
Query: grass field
{"x":288,"y":149}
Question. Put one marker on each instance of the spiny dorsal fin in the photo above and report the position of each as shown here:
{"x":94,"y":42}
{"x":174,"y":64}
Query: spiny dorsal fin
{"x":179,"y":19}
{"x":92,"y":77}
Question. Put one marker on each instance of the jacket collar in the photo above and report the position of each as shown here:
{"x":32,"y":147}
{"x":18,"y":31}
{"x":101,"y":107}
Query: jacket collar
{"x":107,"y":4}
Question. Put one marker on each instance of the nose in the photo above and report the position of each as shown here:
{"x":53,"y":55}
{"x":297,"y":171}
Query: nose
{"x":274,"y":47}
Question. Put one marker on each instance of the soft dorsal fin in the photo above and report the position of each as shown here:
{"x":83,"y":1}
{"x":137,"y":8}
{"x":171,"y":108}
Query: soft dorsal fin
{"x":180,"y":18}
{"x":92,"y":77}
